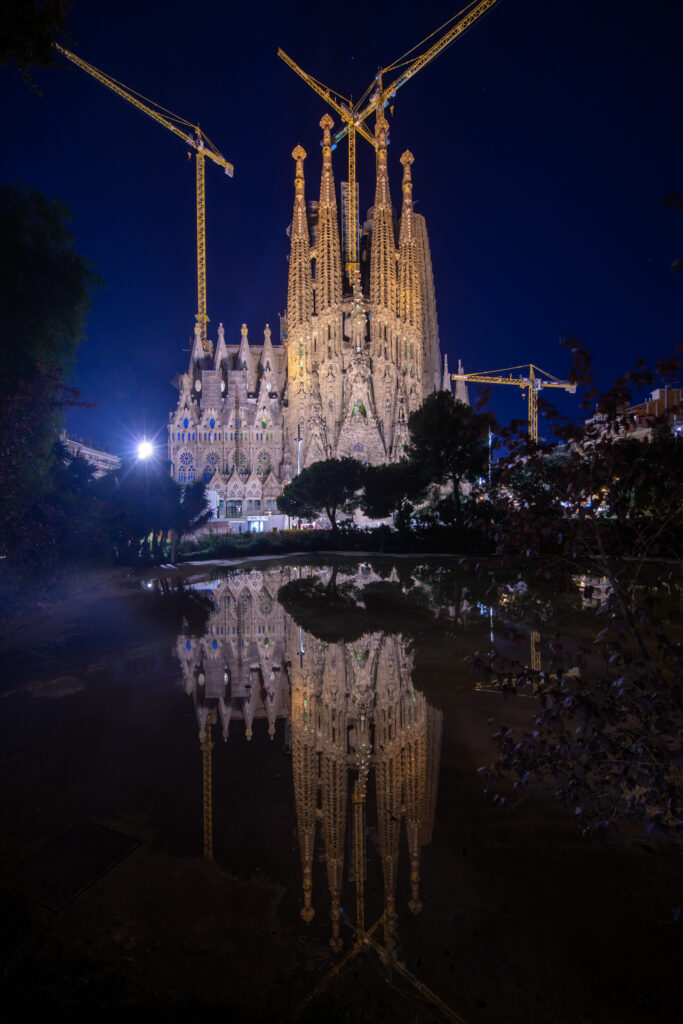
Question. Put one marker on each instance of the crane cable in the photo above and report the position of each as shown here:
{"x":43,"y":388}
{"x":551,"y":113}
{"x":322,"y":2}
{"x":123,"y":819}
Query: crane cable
{"x":401,"y":61}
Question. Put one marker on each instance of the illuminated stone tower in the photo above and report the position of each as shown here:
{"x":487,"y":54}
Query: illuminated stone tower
{"x":360,"y":358}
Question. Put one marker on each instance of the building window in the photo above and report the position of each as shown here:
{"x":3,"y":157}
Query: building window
{"x":211,"y":466}
{"x":186,"y":468}
{"x":233,"y":507}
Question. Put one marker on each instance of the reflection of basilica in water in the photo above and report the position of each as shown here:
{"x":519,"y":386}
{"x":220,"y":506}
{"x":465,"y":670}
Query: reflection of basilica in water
{"x":356,"y":726}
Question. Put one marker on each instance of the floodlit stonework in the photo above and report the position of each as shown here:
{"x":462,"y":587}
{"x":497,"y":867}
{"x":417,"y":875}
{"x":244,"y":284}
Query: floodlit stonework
{"x":356,"y":359}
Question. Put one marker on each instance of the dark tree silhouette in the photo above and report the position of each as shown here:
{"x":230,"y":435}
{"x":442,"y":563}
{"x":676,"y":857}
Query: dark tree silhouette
{"x":27,"y":31}
{"x":449,"y":441}
{"x":394,"y":487}
{"x":45,"y":290}
{"x":607,"y":728}
{"x":142,"y":507}
{"x":330,"y":486}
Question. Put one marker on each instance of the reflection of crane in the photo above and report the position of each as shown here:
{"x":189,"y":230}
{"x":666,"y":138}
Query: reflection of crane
{"x":194,"y":137}
{"x":531,"y":382}
{"x":374,"y":99}
{"x":207,"y":786}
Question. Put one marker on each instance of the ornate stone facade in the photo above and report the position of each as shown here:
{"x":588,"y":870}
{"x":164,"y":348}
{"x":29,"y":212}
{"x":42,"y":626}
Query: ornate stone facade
{"x":356,"y":360}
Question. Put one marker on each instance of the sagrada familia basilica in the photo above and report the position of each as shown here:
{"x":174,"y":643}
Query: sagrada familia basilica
{"x":357,"y":357}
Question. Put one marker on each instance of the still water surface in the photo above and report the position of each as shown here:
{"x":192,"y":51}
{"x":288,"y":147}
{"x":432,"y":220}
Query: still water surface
{"x":211,"y":793}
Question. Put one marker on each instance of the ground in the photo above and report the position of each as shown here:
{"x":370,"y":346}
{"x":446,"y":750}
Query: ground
{"x":524,"y":920}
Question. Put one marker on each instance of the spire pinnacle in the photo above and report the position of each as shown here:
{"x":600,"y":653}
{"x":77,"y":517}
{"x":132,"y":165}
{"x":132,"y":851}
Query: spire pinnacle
{"x":383,"y":247}
{"x":326,"y":123}
{"x":407,"y":225}
{"x":410,"y":284}
{"x":407,"y":159}
{"x":299,"y":155}
{"x":299,"y":292}
{"x":328,"y":276}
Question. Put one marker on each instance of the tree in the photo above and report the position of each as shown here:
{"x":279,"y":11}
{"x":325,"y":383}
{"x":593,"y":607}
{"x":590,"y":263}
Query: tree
{"x":29,"y":28}
{"x":143,"y":506}
{"x":45,"y":290}
{"x":330,"y":486}
{"x":606,"y":731}
{"x":393,"y":487}
{"x":449,"y":441}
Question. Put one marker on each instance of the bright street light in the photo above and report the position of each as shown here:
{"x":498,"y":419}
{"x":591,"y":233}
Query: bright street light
{"x":145,"y":450}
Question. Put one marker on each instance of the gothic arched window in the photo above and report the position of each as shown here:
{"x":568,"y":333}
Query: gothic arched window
{"x":186,"y":468}
{"x":211,"y":466}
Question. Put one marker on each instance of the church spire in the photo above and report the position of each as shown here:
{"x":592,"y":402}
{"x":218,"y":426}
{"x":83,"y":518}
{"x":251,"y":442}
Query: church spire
{"x":383,"y":252}
{"x":329,"y":275}
{"x":409,"y":288}
{"x":299,"y":291}
{"x":446,"y":377}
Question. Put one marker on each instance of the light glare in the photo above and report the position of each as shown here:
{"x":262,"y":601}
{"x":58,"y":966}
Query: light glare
{"x":145,"y":450}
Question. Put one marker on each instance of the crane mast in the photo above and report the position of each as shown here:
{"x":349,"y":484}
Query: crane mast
{"x":193,"y":136}
{"x":354,"y":116}
{"x":532,"y":382}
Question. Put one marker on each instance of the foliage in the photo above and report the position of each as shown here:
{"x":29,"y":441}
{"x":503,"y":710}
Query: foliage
{"x":45,"y":292}
{"x":143,"y":506}
{"x":449,"y":441}
{"x":393,"y":487}
{"x":607,"y":730}
{"x":28,"y":30}
{"x":329,"y":486}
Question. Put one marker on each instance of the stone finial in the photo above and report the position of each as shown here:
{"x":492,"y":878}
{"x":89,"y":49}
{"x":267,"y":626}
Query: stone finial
{"x":299,"y":155}
{"x":326,"y":123}
{"x":407,"y":159}
{"x":245,"y":331}
{"x":221,"y":332}
{"x":266,"y":333}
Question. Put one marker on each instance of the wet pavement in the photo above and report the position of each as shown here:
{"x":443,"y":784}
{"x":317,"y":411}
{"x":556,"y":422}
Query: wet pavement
{"x":206,"y":790}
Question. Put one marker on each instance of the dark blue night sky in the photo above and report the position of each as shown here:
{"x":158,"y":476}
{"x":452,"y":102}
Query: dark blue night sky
{"x":545,"y":140}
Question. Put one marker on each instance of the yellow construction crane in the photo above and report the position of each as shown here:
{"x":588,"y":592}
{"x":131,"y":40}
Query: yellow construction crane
{"x":193,"y":136}
{"x":375,"y":99}
{"x":534,"y":381}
